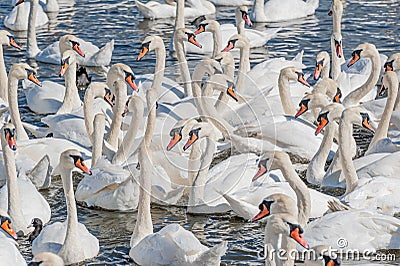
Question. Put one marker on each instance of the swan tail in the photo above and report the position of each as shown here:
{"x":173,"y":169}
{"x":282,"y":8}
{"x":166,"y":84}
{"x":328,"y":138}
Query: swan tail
{"x":38,"y":132}
{"x":213,"y":255}
{"x":103,"y":56}
{"x":313,"y":3}
{"x":335,"y":205}
{"x":146,"y":11}
{"x":41,"y":173}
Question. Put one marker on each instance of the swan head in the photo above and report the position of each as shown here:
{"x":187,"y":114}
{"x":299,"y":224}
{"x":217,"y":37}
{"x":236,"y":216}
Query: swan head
{"x":365,"y":50}
{"x":70,"y":42}
{"x":357,"y":115}
{"x":149,"y":44}
{"x":208,"y":66}
{"x":121,"y":71}
{"x":393,"y":62}
{"x":180,"y":129}
{"x":271,"y":160}
{"x":68,"y":58}
{"x":237,"y":41}
{"x":5,"y":225}
{"x":389,"y":80}
{"x":199,"y":131}
{"x":223,"y":83}
{"x":336,"y":8}
{"x":321,"y":61}
{"x":121,"y":90}
{"x":24,"y":71}
{"x":242,"y":14}
{"x":72,"y":158}
{"x":186,"y":35}
{"x":6,"y":38}
{"x":292,"y":74}
{"x":330,"y":113}
{"x":275,"y":203}
{"x":208,"y":25}
{"x":336,"y":38}
{"x":9,"y":136}
{"x":311,"y":101}
{"x":46,"y":259}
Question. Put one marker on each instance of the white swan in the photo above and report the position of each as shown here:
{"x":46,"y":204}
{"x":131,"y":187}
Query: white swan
{"x":172,"y":235}
{"x":18,"y":18}
{"x":69,"y":239}
{"x":10,"y":254}
{"x":231,"y":3}
{"x":47,"y":259}
{"x":215,"y":34}
{"x":155,"y":10}
{"x":19,"y":196}
{"x":6,"y":39}
{"x":275,"y":10}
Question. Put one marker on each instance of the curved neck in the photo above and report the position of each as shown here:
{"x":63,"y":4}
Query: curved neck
{"x":72,"y":235}
{"x":326,"y":69}
{"x":383,"y":127}
{"x":130,"y":136}
{"x":244,"y":68}
{"x":71,"y":99}
{"x":240,"y":26}
{"x":355,"y":96}
{"x":285,"y":95}
{"x":3,"y":77}
{"x":217,"y":41}
{"x":14,"y":206}
{"x":31,"y":44}
{"x":258,"y":11}
{"x":180,"y":14}
{"x":144,"y":225}
{"x":183,"y":66}
{"x":345,"y":136}
{"x":92,"y":92}
{"x":13,"y":107}
{"x":116,"y":123}
{"x":336,"y":62}
{"x":99,"y":124}
{"x":337,"y":21}
{"x":301,"y":190}
{"x":160,"y":67}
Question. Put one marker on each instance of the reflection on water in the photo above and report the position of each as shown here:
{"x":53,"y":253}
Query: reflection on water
{"x":99,"y":21}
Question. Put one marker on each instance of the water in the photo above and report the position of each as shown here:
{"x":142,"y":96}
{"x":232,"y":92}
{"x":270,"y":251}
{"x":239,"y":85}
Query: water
{"x":99,"y":21}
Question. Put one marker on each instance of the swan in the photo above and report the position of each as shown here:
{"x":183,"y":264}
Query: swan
{"x":47,"y":259}
{"x":393,"y":64}
{"x":231,"y":3}
{"x":19,"y":196}
{"x":37,"y":226}
{"x":215,"y":34}
{"x":276,"y":11}
{"x":10,"y":254}
{"x":69,"y":239}
{"x":169,"y":236}
{"x":30,"y":151}
{"x":6,"y":39}
{"x":155,"y":10}
{"x":18,"y":18}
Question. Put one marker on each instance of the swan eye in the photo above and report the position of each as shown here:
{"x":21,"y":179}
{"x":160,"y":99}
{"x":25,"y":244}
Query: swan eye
{"x":324,"y":116}
{"x":74,"y":43}
{"x":304,"y":102}
{"x":356,"y":52}
{"x":321,"y":62}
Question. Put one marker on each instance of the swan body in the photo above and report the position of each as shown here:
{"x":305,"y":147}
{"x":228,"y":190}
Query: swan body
{"x":17,"y":20}
{"x":275,"y":10}
{"x":48,"y":259}
{"x":155,"y":10}
{"x":231,"y":3}
{"x":69,"y":239}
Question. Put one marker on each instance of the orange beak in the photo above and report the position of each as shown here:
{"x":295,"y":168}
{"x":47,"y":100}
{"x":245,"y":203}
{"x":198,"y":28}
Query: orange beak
{"x":131,"y":82}
{"x":14,"y":44}
{"x":11,"y":142}
{"x":200,"y":29}
{"x":108,"y":98}
{"x":32,"y":77}
{"x":263,"y":213}
{"x":232,"y":93}
{"x":299,"y":238}
{"x":142,"y":53}
{"x":63,"y":69}
{"x":192,"y":40}
{"x":323,"y":122}
{"x":6,"y":226}
{"x":367,"y":125}
{"x":317,"y":71}
{"x":78,"y":50}
{"x":339,"y":50}
{"x":247,"y":20}
{"x":174,"y":141}
{"x":354,"y":59}
{"x":81,"y":165}
{"x":229,"y":47}
{"x":189,"y":143}
{"x":301,"y":111}
{"x":336,"y":98}
{"x":303,"y":81}
{"x":261,"y":170}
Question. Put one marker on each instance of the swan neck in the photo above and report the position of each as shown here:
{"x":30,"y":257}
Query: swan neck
{"x":13,"y":107}
{"x":99,"y":124}
{"x":336,"y":62}
{"x":337,"y":21}
{"x":349,"y":171}
{"x":31,"y":43}
{"x":285,"y":95}
{"x":160,"y":67}
{"x":71,"y":99}
{"x":244,"y":68}
{"x":88,"y":102}
{"x":3,"y":78}
{"x":326,"y":69}
{"x":116,"y":123}
{"x":180,"y":14}
{"x":217,"y":41}
{"x":183,"y":66}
